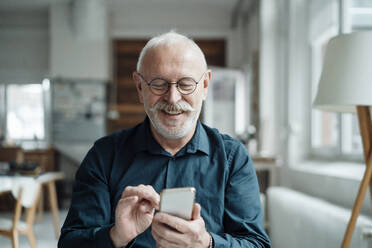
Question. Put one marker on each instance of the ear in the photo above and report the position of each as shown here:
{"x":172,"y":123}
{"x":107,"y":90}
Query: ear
{"x":207,"y":79}
{"x":137,"y":81}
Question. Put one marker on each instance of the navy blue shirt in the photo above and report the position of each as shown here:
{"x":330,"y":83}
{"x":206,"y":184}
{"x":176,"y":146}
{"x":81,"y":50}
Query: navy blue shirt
{"x":218,"y":166}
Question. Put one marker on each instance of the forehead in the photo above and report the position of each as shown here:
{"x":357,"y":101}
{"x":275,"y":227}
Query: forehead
{"x":167,"y":60}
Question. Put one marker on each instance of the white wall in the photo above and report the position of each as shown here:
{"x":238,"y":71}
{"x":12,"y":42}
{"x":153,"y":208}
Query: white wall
{"x":284,"y":79}
{"x":149,"y":18}
{"x":277,"y":71}
{"x":35,"y":44}
{"x":24,"y":46}
{"x":323,"y":15}
{"x":47,"y":45}
{"x":268,"y":71}
{"x":72,"y":55}
{"x":76,"y":58}
{"x":248,"y":55}
{"x":251,"y":36}
{"x":299,"y":102}
{"x":145,"y":19}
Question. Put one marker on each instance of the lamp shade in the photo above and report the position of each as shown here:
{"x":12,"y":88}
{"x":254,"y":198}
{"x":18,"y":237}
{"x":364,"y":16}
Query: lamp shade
{"x":346,"y":79}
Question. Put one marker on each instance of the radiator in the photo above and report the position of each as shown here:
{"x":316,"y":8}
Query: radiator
{"x":297,"y":220}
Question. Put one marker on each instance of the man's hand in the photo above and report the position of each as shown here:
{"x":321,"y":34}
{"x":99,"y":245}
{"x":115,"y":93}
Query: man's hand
{"x":171,"y":232}
{"x":134,"y":213}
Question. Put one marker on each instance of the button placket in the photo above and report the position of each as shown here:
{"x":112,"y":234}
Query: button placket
{"x":170,"y":172}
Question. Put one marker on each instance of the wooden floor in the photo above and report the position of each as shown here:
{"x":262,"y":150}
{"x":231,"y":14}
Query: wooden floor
{"x":44,"y":232}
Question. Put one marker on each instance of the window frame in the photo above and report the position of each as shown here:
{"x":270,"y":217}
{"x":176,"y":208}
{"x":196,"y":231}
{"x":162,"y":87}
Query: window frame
{"x":315,"y":72}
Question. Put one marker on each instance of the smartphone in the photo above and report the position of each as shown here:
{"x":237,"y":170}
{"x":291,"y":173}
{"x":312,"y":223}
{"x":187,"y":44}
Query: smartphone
{"x":178,"y":201}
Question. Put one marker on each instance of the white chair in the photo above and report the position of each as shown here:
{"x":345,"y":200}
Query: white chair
{"x":26,"y":192}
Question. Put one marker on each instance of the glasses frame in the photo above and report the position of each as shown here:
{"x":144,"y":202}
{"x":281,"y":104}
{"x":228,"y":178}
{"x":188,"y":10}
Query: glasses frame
{"x":170,"y":83}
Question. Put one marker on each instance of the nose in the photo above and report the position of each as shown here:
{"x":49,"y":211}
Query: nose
{"x":173,"y":95}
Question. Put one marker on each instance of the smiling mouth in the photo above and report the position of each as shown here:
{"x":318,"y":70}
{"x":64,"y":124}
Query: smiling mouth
{"x":173,"y":112}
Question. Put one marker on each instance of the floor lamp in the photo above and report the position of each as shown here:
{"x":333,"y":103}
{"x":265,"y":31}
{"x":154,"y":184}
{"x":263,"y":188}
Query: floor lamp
{"x":346,"y":86}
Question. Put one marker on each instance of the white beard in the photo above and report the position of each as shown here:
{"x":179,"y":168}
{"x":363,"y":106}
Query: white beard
{"x":172,"y":129}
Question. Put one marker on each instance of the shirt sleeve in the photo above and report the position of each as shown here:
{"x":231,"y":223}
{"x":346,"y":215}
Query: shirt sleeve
{"x":243,"y":222}
{"x":88,"y":221}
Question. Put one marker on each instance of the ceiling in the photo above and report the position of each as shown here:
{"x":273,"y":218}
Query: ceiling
{"x":26,"y":4}
{"x":236,"y":8}
{"x":42,"y":4}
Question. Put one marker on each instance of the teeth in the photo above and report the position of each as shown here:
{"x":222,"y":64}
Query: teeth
{"x":173,"y":112}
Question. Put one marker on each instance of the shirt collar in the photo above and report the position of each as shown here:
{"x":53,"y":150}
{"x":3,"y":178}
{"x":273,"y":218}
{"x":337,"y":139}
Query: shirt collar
{"x":199,"y":141}
{"x":144,"y":141}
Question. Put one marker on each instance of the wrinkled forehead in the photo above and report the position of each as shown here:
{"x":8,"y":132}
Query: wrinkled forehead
{"x":175,"y":55}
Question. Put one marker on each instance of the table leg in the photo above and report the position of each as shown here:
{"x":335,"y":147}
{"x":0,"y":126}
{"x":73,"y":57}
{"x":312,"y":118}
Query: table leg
{"x":54,"y":206}
{"x":40,"y":207}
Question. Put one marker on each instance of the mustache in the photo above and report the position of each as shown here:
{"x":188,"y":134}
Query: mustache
{"x":181,"y":106}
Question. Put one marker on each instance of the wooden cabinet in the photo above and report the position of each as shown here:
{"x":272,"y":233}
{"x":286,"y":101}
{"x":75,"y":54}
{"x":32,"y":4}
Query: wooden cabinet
{"x":11,"y":154}
{"x":44,"y":157}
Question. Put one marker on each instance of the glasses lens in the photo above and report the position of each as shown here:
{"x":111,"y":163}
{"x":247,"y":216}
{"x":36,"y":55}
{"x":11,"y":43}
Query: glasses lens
{"x":159,"y":86}
{"x":186,"y":85}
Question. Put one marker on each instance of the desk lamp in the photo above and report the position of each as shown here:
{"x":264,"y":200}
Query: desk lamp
{"x":346,"y":86}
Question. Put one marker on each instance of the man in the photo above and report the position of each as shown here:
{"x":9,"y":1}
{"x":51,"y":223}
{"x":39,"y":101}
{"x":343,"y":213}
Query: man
{"x":116,"y":189}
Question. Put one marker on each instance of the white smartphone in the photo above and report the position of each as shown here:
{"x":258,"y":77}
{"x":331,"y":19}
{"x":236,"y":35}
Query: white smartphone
{"x":178,"y":201}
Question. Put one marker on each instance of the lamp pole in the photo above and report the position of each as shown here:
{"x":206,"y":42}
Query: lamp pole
{"x":365,"y":125}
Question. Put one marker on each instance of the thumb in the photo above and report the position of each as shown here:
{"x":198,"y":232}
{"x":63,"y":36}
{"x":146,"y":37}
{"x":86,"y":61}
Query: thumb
{"x":196,"y":211}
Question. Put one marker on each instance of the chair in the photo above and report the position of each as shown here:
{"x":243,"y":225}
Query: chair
{"x":26,"y":194}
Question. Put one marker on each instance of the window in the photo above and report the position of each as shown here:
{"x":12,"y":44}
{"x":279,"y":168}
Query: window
{"x":335,"y":134}
{"x":23,"y":112}
{"x":325,"y":125}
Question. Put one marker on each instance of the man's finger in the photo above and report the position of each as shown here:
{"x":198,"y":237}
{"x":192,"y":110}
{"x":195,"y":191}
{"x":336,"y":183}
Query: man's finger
{"x":162,"y":240}
{"x":143,"y":192}
{"x":175,"y":222}
{"x":163,"y":230}
{"x":129,"y":202}
{"x":196,"y":211}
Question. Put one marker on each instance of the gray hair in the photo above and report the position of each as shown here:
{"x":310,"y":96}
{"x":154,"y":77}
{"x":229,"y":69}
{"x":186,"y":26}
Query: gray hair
{"x":168,"y":38}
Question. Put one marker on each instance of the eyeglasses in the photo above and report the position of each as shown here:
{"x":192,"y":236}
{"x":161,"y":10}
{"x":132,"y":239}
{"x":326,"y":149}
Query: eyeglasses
{"x":160,"y":86}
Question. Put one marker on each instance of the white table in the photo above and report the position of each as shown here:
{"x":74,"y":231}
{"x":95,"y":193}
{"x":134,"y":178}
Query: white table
{"x":12,"y":184}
